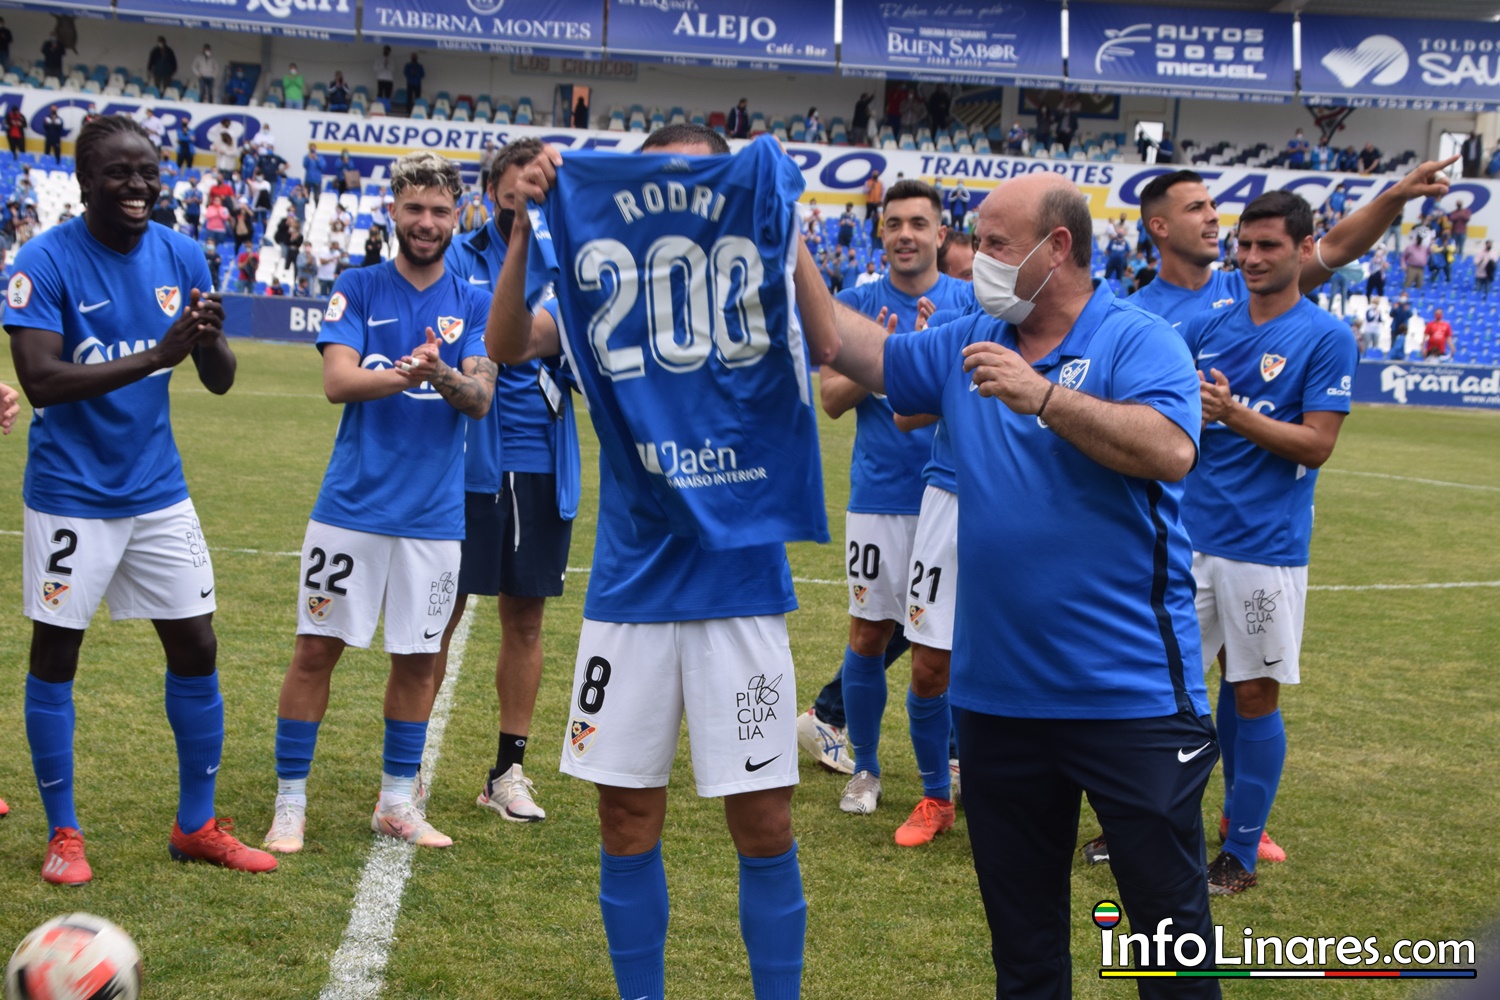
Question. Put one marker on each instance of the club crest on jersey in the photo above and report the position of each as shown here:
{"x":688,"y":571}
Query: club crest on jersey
{"x":169,"y":298}
{"x":860,"y":592}
{"x":1222,"y":303}
{"x":336,"y":307}
{"x":19,"y":293}
{"x":319,"y":606}
{"x":914,"y":614}
{"x":1073,"y":373}
{"x":450,"y":328}
{"x":55,"y":593}
{"x":1271,"y":365}
{"x":580,"y":735}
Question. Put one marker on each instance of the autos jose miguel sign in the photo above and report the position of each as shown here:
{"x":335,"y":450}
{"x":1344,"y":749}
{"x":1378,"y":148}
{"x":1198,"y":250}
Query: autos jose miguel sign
{"x":1424,"y":65}
{"x":953,"y":41}
{"x":748,"y":34}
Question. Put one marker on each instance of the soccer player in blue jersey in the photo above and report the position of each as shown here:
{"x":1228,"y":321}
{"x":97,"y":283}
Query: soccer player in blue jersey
{"x":99,"y":311}
{"x":671,"y":628}
{"x":520,"y":494}
{"x":1074,"y":417}
{"x":1276,"y":373}
{"x":403,"y":351}
{"x":885,"y":499}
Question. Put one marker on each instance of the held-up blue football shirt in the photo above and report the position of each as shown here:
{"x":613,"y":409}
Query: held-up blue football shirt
{"x":1075,"y":595}
{"x":676,"y":311}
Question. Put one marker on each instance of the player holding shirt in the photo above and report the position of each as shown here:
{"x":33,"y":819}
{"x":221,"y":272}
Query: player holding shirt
{"x":521,"y":482}
{"x":100,"y":310}
{"x":671,"y":628}
{"x":385,"y":530}
{"x":885,"y":499}
{"x":10,"y":408}
{"x":1275,"y":394}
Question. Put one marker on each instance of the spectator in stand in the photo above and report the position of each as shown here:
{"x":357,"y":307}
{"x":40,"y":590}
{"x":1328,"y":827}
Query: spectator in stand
{"x":289,"y":238}
{"x":260,"y":198}
{"x":294,"y":87}
{"x":1296,"y":151}
{"x":581,"y":113}
{"x":344,"y":174}
{"x":813,"y":126}
{"x":1484,"y":268}
{"x":1348,"y":161}
{"x":1337,"y":203}
{"x":473,"y":215}
{"x":274,"y":288}
{"x":1067,"y":122}
{"x":1166,"y":150}
{"x":380,"y":217}
{"x":487,"y":160}
{"x":871,"y":274}
{"x":1459,"y":220}
{"x":874,"y":198}
{"x":1115,"y":252}
{"x":52,"y":133}
{"x":960,"y":203}
{"x":385,"y":74}
{"x":164,"y":213}
{"x":303,"y":288}
{"x":1046,"y":119}
{"x":161,"y":64}
{"x":206,"y":69}
{"x":237,"y":88}
{"x":187,"y":150}
{"x":241,"y":189}
{"x":895,"y":103}
{"x":226,"y":152}
{"x":298,"y":201}
{"x":216,"y":219}
{"x":246,"y":264}
{"x":939,"y":104}
{"x":241,"y":226}
{"x":312,"y":173}
{"x":1375,"y":278}
{"x":374,"y":249}
{"x":847,"y":226}
{"x":155,"y":125}
{"x":220,"y":188}
{"x":1356,"y":324}
{"x":1492,"y":169}
{"x":414,"y":71}
{"x":15,"y":131}
{"x":859,"y":125}
{"x":737,"y":124}
{"x":1473,"y":156}
{"x":1414,"y":259}
{"x":1441,"y":258}
{"x":328,"y":269}
{"x":833,"y":267}
{"x":1015,"y":139}
{"x":1437,"y":336}
{"x":338,"y":230}
{"x":5,"y":39}
{"x":307,"y":266}
{"x":1400,"y":318}
{"x":192,"y":209}
{"x":214,"y":261}
{"x":1369,"y":159}
{"x":1371,"y":330}
{"x":1324,"y":156}
{"x":339,"y":93}
{"x":52,"y":55}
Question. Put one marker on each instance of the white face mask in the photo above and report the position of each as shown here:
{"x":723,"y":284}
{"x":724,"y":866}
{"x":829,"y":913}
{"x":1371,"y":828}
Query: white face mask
{"x":995,"y":287}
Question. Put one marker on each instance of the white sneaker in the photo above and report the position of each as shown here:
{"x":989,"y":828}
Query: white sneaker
{"x":824,"y":743}
{"x":404,"y":821}
{"x":861,"y":794}
{"x":509,"y":794}
{"x":955,"y":795}
{"x":285,"y":835}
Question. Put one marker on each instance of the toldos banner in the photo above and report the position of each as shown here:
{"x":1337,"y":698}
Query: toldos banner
{"x":518,"y":27}
{"x":1180,"y":52}
{"x":1423,"y":65}
{"x":1019,"y":41}
{"x":745,"y":34}
{"x":320,"y":19}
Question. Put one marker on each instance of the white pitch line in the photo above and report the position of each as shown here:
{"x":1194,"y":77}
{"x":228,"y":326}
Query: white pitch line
{"x":1407,"y":586}
{"x":1414,"y":479}
{"x":357,"y":970}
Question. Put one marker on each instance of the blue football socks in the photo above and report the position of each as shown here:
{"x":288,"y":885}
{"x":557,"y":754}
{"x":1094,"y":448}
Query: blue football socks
{"x":1228,"y":721}
{"x":930,"y":722}
{"x":1260,"y":750}
{"x":403,"y":747}
{"x":49,"y":730}
{"x":864,"y":704}
{"x":633,"y":902}
{"x":773,"y":922}
{"x":196,"y":711}
{"x":295,"y":742}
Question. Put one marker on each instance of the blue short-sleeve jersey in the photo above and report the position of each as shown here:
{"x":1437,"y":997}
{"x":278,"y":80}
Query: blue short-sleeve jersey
{"x":886,"y":468}
{"x":1177,"y":305}
{"x":1243,"y":502}
{"x":642,"y":574}
{"x":1075,"y":582}
{"x":113,"y":455}
{"x":397,"y":465}
{"x":939,"y":469}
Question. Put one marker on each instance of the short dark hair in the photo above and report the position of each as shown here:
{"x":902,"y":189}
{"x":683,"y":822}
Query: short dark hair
{"x":904,"y":189}
{"x":1292,"y":209}
{"x":684,"y":133}
{"x":1068,"y":208}
{"x":953,"y":239}
{"x":1153,"y":193}
{"x":516,"y":153}
{"x":95,"y":132}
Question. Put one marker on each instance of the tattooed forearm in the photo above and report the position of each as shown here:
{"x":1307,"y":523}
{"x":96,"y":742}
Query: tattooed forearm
{"x":469,"y":391}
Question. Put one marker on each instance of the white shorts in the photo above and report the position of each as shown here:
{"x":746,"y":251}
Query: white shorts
{"x":152,"y":565}
{"x":1255,"y":612}
{"x":877,"y":552}
{"x":732,"y":676}
{"x":933,"y":578}
{"x":349,"y":576}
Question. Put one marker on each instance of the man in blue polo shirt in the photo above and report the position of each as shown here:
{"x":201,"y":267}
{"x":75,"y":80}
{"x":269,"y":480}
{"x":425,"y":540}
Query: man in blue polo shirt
{"x":1074,"y":417}
{"x":1276,"y":372}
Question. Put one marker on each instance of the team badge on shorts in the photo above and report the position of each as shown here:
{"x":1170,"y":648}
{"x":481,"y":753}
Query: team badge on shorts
{"x":860,"y":590}
{"x":169,"y":298}
{"x":1073,"y":373}
{"x":336,"y":307}
{"x":55,"y":593}
{"x":580,"y":735}
{"x":19,"y":292}
{"x":450,"y":328}
{"x":319,"y":606}
{"x":914,"y":614}
{"x":1271,"y":365}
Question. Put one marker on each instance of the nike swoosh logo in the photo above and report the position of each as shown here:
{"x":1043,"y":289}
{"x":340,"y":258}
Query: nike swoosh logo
{"x":213,"y":769}
{"x":1177,"y":324}
{"x":55,"y":781}
{"x":432,"y":635}
{"x":379,"y":322}
{"x":478,"y":281}
{"x":1248,"y":829}
{"x":1270,"y":663}
{"x":756,"y":767}
{"x":1207,"y":354}
{"x":205,"y":593}
{"x":1184,"y":756}
{"x":88,"y":309}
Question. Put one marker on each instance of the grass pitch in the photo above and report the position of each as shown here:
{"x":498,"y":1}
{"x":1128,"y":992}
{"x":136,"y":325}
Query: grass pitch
{"x":1387,"y":808}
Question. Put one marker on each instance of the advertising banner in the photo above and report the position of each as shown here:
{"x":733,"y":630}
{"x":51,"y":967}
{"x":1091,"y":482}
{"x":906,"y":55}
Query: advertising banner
{"x":321,"y":19}
{"x":1405,"y":383}
{"x":1018,"y":42}
{"x":273,"y":317}
{"x":1423,"y":65}
{"x":743,"y":34}
{"x":518,"y":27}
{"x":1180,"y":52}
